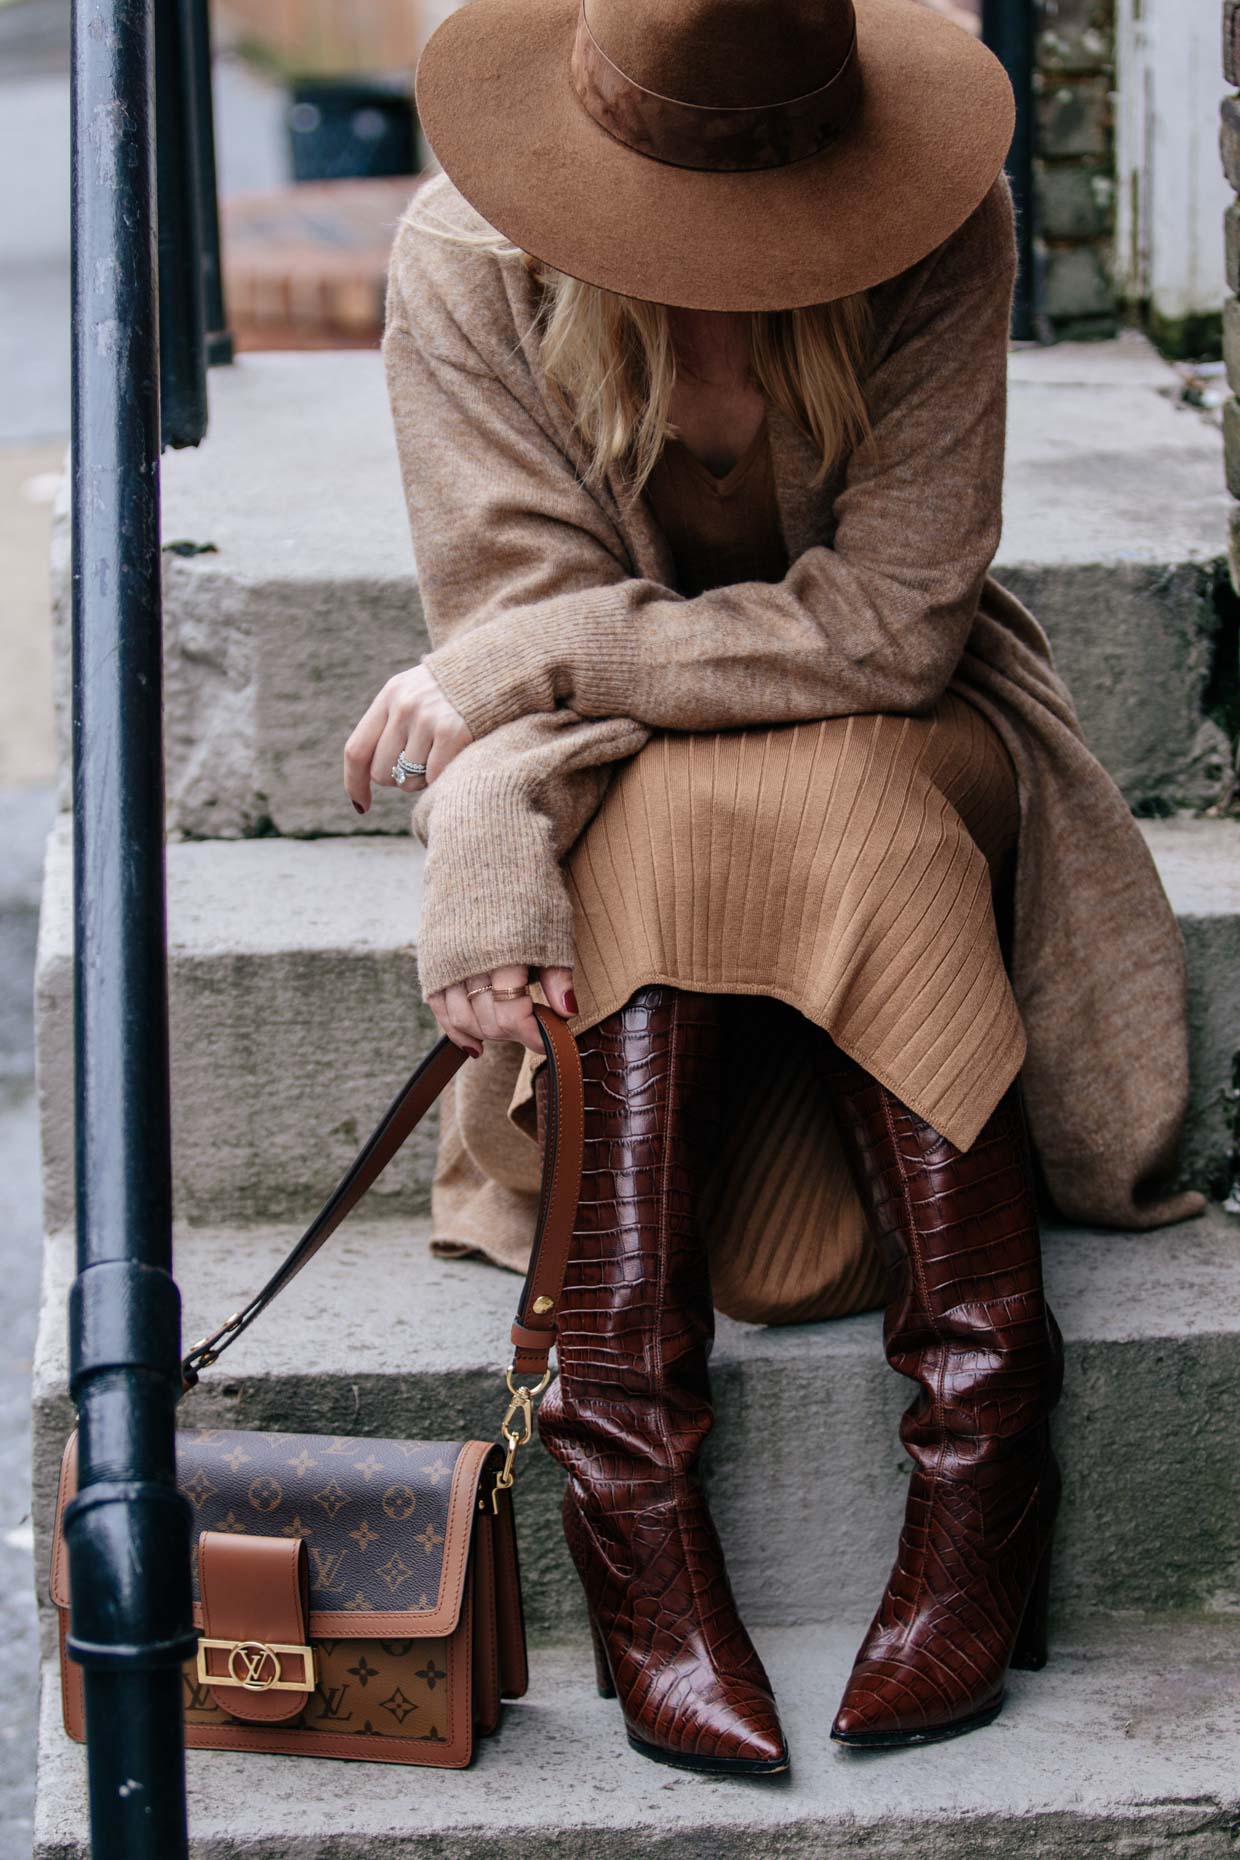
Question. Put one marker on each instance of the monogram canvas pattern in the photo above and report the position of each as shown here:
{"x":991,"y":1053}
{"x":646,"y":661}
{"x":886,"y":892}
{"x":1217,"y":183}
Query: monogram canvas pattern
{"x":414,"y":1679}
{"x":366,"y":1688}
{"x":373,"y":1513}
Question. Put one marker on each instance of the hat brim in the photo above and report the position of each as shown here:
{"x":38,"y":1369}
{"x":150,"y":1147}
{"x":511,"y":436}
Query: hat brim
{"x":928,"y":140}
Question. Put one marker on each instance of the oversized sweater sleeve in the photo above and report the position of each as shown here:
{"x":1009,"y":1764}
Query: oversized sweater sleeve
{"x":485,"y":519}
{"x":875,"y":621}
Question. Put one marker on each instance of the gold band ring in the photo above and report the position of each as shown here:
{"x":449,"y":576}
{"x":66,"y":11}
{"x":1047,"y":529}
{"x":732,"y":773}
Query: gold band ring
{"x":511,"y":994}
{"x":484,"y":990}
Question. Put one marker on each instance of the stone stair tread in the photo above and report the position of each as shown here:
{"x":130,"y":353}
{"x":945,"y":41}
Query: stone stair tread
{"x":1128,"y":1741}
{"x":283,"y":616}
{"x":295,"y":1009}
{"x":1198,"y":861}
{"x":444,"y":1317}
{"x":1101,"y":465}
{"x":1096,"y":431}
{"x":379,"y":1337}
{"x":268,"y":896}
{"x":271,"y":895}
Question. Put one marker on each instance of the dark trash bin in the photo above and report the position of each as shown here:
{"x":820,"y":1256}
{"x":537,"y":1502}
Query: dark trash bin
{"x":352,"y":128}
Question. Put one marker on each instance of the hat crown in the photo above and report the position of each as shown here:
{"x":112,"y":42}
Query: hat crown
{"x":725,"y":54}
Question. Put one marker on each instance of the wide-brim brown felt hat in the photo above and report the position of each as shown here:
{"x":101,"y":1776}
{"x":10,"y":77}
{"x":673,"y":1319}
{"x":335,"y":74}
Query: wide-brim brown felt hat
{"x":717,"y":154}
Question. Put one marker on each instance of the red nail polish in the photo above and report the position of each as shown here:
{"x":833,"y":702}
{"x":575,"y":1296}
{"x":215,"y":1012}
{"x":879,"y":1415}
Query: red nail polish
{"x":570,"y":1000}
{"x":358,"y":808}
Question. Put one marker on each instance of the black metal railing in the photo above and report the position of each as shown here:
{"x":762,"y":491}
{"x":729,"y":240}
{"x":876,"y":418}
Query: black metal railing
{"x":1009,"y":29}
{"x":143,"y":295}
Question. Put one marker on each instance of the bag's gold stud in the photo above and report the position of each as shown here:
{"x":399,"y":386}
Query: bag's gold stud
{"x":543,"y":1305}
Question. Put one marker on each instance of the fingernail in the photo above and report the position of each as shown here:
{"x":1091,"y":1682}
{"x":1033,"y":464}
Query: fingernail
{"x":358,"y":808}
{"x":475,"y":1052}
{"x":570,"y":1000}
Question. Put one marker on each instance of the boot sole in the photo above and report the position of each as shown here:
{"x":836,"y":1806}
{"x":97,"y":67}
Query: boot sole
{"x":711,"y":1766}
{"x":903,"y":1740}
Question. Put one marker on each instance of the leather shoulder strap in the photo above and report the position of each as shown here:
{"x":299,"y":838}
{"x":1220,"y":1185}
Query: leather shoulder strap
{"x":533,"y":1333}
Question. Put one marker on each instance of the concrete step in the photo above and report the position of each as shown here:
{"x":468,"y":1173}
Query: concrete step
{"x":291,"y":592}
{"x":1128,"y":1743}
{"x":295,"y":1014}
{"x":806,"y":1472}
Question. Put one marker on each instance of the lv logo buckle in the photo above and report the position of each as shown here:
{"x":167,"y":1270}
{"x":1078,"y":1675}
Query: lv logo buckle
{"x":255,"y":1665}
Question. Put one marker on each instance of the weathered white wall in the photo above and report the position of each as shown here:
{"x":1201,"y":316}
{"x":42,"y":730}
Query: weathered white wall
{"x":1171,"y":189}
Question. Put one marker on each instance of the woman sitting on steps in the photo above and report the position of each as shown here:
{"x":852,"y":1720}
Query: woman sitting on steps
{"x":730,"y":742}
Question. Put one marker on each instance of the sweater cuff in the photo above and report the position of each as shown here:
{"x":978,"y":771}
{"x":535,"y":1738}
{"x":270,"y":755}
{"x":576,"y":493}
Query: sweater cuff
{"x":493,"y":889}
{"x":532,"y":659}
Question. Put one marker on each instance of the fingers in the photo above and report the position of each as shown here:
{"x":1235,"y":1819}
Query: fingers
{"x":515,"y":1018}
{"x":470,"y":1015}
{"x":401,"y":735}
{"x":484,"y":1007}
{"x":438,"y":1005}
{"x":557,"y":985}
{"x":359,"y":754}
{"x":411,"y":716}
{"x":461,"y":1016}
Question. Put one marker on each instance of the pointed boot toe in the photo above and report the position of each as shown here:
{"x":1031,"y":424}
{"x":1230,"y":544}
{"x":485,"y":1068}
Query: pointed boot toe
{"x":851,"y":1725}
{"x":865,"y":1716}
{"x":734,"y":1736}
{"x":889,"y":1717}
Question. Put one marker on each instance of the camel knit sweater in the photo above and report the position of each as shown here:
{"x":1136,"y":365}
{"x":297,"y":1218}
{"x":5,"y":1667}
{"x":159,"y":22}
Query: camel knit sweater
{"x":558,"y":636}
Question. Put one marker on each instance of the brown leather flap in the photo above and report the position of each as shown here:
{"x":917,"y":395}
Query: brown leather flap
{"x":387,"y":1524}
{"x":255,"y":1653}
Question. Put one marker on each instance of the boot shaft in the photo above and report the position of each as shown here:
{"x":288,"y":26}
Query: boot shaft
{"x":636,"y":1317}
{"x":967,"y":1317}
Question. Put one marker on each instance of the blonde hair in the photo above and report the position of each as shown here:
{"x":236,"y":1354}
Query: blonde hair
{"x":611,"y":360}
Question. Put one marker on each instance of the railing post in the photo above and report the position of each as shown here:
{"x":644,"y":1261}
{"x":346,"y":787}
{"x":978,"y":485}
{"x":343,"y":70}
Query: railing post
{"x":1008,"y":28}
{"x":182,"y":312}
{"x":219,"y":336}
{"x":128,"y":1528}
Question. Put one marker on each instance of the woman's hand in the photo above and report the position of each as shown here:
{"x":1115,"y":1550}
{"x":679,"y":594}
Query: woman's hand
{"x":410,"y":717}
{"x":469,"y":1013}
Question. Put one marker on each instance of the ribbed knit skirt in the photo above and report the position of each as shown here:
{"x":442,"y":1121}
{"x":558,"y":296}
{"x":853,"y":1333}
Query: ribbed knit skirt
{"x":843,"y":877}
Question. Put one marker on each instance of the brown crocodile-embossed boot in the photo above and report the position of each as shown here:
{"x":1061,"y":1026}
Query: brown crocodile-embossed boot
{"x":631,"y":1407}
{"x":968,"y":1321}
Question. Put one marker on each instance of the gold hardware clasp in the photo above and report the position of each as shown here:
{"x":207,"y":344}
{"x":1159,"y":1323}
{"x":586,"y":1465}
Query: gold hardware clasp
{"x":520,"y":1410}
{"x":208,"y":1343}
{"x":255,"y":1665}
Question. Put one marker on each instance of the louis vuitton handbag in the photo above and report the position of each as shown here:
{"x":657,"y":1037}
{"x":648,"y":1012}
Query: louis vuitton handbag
{"x":362,"y":1597}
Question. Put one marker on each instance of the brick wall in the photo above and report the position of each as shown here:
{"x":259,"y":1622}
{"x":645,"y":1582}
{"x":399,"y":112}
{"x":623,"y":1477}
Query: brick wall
{"x":328,"y":36}
{"x":1074,"y":164}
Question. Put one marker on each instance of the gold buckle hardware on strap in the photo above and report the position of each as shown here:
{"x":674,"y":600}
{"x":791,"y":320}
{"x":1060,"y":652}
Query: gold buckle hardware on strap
{"x":521,"y":1410}
{"x":255,"y":1665}
{"x":204,"y":1353}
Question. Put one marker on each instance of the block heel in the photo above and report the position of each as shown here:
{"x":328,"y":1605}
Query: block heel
{"x":602,"y":1666}
{"x":1029,"y":1653}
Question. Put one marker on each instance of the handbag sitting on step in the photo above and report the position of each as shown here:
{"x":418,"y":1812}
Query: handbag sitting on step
{"x":357,"y":1597}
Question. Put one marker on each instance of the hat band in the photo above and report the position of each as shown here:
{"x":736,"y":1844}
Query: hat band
{"x":695,"y":135}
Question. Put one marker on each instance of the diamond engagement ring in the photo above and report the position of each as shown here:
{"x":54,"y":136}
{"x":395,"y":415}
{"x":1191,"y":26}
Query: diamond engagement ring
{"x":402,"y":769}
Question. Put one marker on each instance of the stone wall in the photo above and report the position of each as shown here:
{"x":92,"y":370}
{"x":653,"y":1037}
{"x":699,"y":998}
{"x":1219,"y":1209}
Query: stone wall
{"x":1074,"y":165}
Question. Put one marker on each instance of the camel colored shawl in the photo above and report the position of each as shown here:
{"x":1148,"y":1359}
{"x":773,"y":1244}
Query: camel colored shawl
{"x":558,"y":637}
